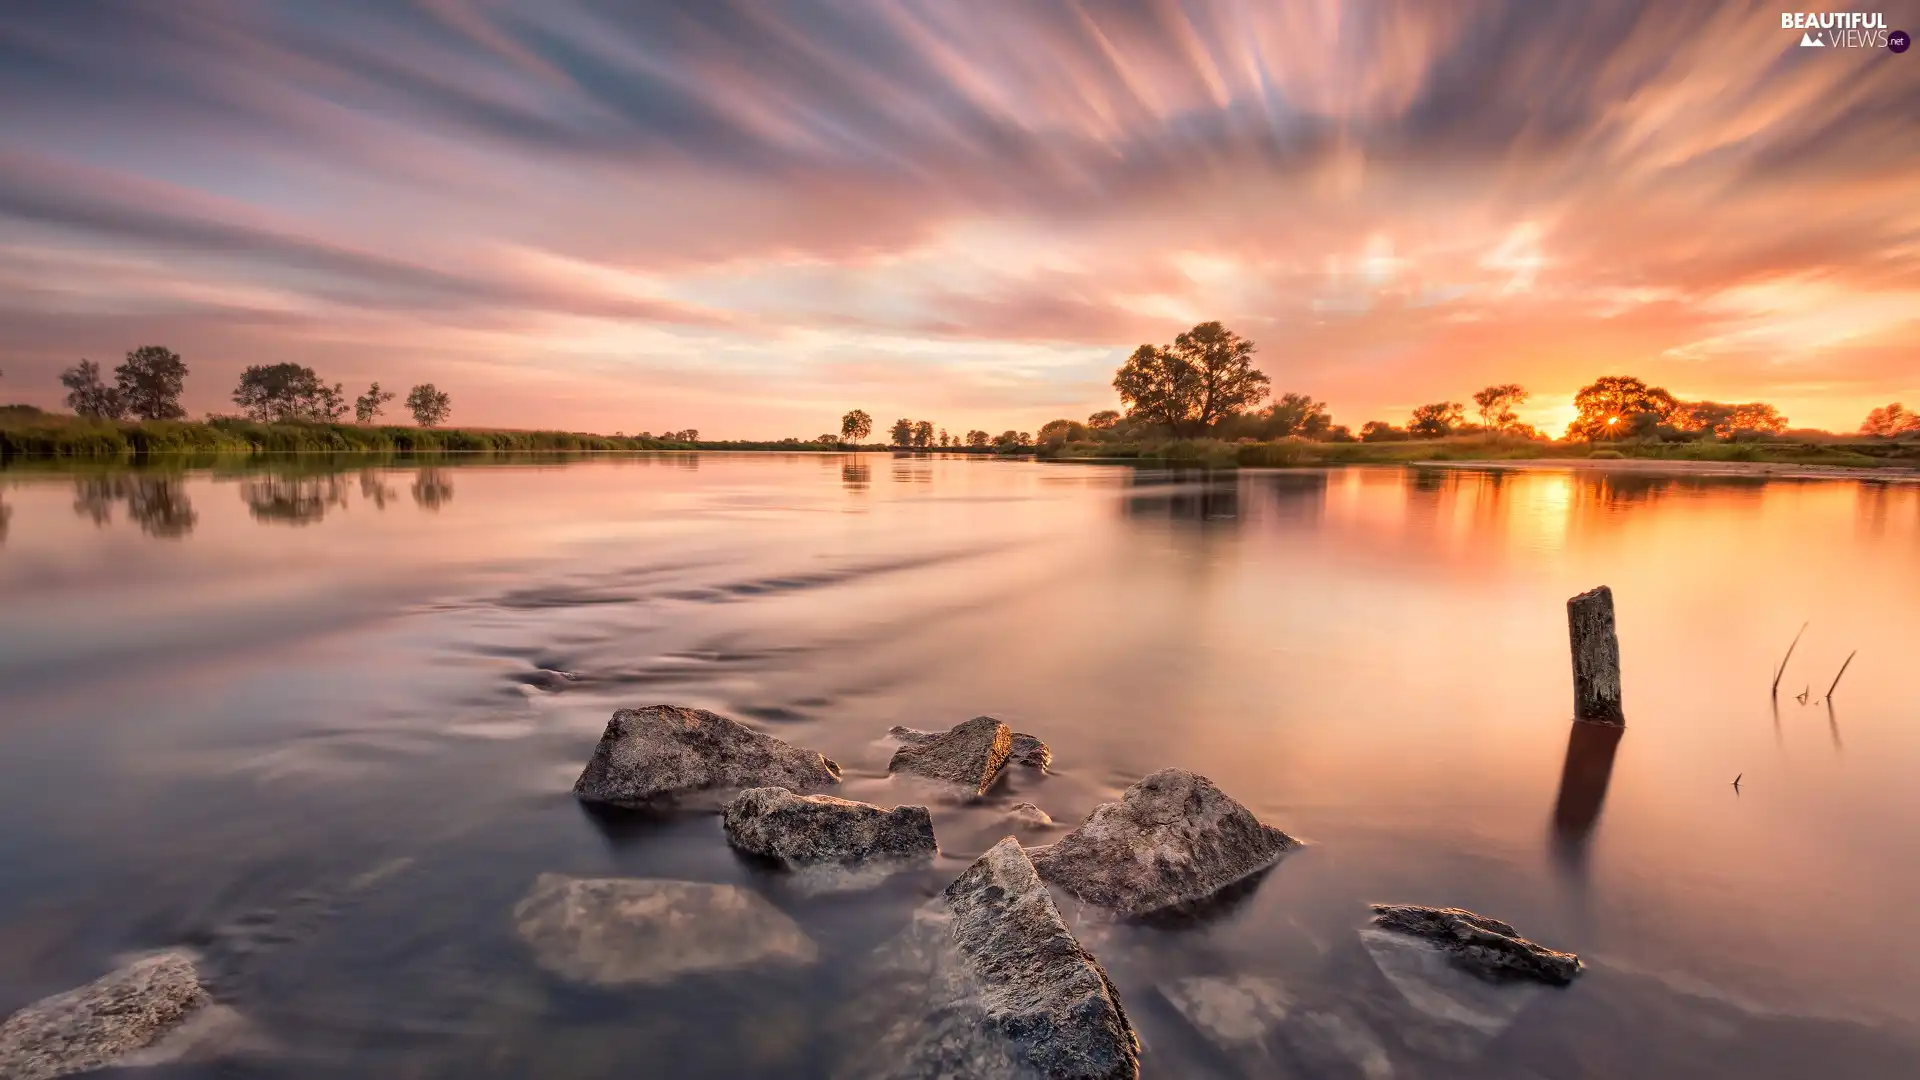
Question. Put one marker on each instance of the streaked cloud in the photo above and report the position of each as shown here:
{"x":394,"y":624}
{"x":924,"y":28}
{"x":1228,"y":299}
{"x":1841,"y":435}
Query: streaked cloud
{"x":746,"y":217}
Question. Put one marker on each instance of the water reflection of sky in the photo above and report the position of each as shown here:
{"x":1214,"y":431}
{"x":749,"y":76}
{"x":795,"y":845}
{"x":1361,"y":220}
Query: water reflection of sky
{"x":268,"y":676}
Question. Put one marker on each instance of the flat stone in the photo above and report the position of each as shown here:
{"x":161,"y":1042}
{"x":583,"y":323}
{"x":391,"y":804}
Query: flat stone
{"x":988,"y":983}
{"x":1026,"y":750}
{"x":626,"y":931}
{"x":107,"y":1020}
{"x":969,"y":756}
{"x":1487,"y":947}
{"x":1172,"y":840}
{"x":800,"y":830}
{"x":664,"y":752}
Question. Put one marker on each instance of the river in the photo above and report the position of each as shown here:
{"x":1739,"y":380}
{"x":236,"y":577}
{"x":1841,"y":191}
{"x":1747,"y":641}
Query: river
{"x":318,"y":721}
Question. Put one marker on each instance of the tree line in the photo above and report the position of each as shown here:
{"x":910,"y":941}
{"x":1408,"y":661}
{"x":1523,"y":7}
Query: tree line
{"x":148,"y":385}
{"x":1205,"y":384}
{"x":906,"y":434}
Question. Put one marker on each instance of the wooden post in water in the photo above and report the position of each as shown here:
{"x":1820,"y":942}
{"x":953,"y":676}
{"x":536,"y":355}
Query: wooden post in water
{"x":1596,"y":658}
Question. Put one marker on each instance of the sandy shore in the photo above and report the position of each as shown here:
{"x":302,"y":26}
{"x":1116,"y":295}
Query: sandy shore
{"x":1649,"y":466}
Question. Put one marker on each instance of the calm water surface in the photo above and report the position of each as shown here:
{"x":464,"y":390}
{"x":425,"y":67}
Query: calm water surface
{"x":320,"y":725}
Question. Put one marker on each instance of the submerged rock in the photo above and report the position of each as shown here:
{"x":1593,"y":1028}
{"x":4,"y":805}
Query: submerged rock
{"x":1027,"y":815}
{"x":662,"y":752}
{"x":1028,"y":750}
{"x":1172,"y":840}
{"x":107,"y":1020}
{"x":1487,"y":947}
{"x":620,"y":931}
{"x":799,"y":830}
{"x":997,"y":988}
{"x":970,"y":755}
{"x":1255,"y":1022}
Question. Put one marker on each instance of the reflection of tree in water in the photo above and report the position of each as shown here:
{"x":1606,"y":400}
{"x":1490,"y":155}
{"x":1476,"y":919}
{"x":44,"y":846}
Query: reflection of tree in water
{"x":374,"y":489}
{"x":6,"y":518}
{"x":158,"y":504}
{"x":1184,"y":496}
{"x":856,"y":475}
{"x":1289,"y":496}
{"x":432,"y":488}
{"x":292,"y":500}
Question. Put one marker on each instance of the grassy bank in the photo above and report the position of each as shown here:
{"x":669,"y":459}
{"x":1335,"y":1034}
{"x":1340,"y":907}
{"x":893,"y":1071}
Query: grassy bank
{"x":44,"y":435}
{"x":1858,"y":453}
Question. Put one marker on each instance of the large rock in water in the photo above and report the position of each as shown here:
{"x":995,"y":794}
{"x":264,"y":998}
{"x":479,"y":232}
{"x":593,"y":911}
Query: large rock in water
{"x":1487,"y":947}
{"x":800,"y":830}
{"x":625,"y":931}
{"x":995,"y":987}
{"x":1172,"y":840}
{"x":102,"y":1022}
{"x":970,"y":755}
{"x":663,"y":752}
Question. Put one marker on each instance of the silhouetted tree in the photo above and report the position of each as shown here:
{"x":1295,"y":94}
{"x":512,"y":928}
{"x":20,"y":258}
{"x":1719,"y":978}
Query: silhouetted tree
{"x":275,"y":392}
{"x":978,"y":439}
{"x":856,"y":426}
{"x":1891,"y":421}
{"x":1726,"y":421}
{"x":1436,"y":420}
{"x":1206,"y":375}
{"x":902,"y":432}
{"x":1495,"y":405}
{"x":428,"y":405}
{"x":88,"y":396}
{"x":1616,"y":405}
{"x":150,"y":381}
{"x":1381,"y":431}
{"x":1103,"y":420}
{"x":923,"y":434}
{"x":367,"y":406}
{"x":943,"y":437}
{"x":1056,"y":433}
{"x":1296,"y":415}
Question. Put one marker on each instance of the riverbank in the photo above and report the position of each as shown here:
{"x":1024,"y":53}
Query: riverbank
{"x":51,"y":436}
{"x":1867,"y":455}
{"x":1771,"y":470}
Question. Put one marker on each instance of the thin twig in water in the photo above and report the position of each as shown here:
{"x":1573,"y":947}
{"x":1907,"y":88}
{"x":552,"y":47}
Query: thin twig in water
{"x":1843,"y":671}
{"x":1782,"y":670}
{"x":1804,"y":694}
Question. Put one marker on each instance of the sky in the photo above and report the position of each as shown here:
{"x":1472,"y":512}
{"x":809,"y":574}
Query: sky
{"x":747,"y":217}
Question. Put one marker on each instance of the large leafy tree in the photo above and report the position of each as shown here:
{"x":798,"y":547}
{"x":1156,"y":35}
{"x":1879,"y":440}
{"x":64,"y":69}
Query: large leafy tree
{"x":429,"y":405}
{"x":978,"y":439}
{"x":276,"y":392}
{"x":88,"y":396}
{"x":1891,"y":421}
{"x":1436,"y":420}
{"x":923,"y":434}
{"x":367,"y":406}
{"x":856,"y":426}
{"x":902,"y":433}
{"x":1229,"y":383}
{"x":150,"y":382}
{"x":1206,"y":375}
{"x":1614,"y":405}
{"x":1495,"y":405}
{"x":1726,"y":421}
